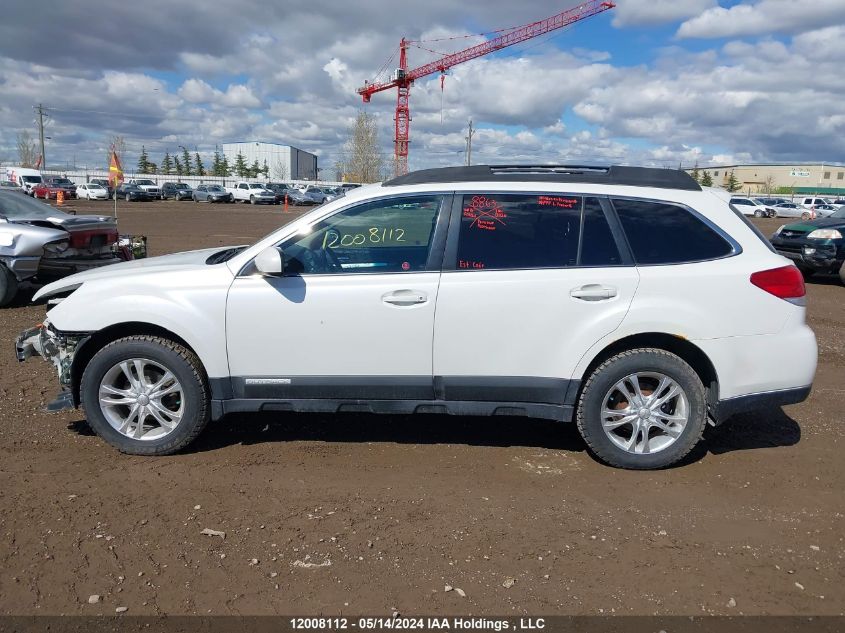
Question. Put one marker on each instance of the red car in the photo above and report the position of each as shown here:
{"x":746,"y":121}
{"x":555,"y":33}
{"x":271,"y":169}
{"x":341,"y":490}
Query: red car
{"x":51,"y":187}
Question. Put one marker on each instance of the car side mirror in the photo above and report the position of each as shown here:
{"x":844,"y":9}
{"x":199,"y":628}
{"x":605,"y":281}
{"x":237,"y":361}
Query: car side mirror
{"x":270,"y":261}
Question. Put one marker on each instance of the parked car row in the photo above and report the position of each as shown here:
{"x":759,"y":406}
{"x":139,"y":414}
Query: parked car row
{"x":30,"y":181}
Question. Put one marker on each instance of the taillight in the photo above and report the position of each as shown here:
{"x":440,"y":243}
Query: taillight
{"x":785,"y":282}
{"x":93,"y":239}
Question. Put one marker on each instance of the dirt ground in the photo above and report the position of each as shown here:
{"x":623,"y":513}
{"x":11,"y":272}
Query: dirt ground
{"x":359,"y":514}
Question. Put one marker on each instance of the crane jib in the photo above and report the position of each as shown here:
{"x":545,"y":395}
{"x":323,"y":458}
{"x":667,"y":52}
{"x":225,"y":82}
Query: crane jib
{"x":404,"y":78}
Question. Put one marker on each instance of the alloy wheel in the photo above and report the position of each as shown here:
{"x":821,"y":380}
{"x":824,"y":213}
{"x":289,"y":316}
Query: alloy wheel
{"x":645,"y":412}
{"x":141,"y":399}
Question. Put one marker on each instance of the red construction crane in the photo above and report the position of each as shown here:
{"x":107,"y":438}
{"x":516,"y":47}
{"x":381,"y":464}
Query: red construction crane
{"x":404,"y":78}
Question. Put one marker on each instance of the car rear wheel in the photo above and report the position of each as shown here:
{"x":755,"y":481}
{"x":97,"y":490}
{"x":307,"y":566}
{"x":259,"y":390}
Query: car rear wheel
{"x":146,"y":395}
{"x":642,"y":409}
{"x":8,"y":286}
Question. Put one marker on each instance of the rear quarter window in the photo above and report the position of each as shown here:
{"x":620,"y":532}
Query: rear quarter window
{"x":665,"y":233}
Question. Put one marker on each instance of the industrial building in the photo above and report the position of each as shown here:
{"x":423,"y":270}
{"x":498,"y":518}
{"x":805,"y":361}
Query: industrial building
{"x":285,"y":162}
{"x":798,"y":178}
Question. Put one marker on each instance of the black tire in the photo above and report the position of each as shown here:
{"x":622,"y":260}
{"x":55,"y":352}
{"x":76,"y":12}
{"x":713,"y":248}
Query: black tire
{"x":128,"y":198}
{"x":758,"y":214}
{"x":252,"y":199}
{"x":807,"y":272}
{"x":8,"y":286}
{"x":613,"y":370}
{"x":182,"y":362}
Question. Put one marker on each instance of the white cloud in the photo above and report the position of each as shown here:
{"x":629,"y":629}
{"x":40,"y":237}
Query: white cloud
{"x":236,"y":95}
{"x":765,"y":16}
{"x":638,"y":12}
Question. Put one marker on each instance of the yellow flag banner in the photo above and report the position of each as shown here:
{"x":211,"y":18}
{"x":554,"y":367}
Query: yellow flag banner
{"x":115,"y":171}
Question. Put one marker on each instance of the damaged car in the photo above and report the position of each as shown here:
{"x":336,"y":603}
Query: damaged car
{"x":39,"y":243}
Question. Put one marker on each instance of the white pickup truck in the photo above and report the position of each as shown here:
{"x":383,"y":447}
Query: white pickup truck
{"x":147,"y":185}
{"x":252,"y":192}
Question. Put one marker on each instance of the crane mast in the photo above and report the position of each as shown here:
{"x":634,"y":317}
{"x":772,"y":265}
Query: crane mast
{"x":403,"y":78}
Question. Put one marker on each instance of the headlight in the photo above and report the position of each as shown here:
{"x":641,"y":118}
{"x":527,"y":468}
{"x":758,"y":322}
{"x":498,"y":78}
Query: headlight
{"x":57,"y":247}
{"x":825,"y":234}
{"x":7,"y":239}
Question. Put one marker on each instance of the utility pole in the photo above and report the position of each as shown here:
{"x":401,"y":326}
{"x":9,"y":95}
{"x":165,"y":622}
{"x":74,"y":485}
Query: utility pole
{"x":40,"y":111}
{"x":468,"y":138}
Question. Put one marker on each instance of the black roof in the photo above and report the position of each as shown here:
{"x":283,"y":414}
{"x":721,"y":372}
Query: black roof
{"x":608,"y":175}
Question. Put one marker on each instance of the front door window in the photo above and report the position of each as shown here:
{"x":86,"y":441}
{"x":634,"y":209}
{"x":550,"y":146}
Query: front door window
{"x":384,"y":236}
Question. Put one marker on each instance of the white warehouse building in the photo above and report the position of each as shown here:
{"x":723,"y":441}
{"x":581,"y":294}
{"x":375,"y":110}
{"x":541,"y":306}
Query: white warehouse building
{"x":285,"y":162}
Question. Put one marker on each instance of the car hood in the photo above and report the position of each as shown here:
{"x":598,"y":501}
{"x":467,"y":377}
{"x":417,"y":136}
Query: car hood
{"x":812,"y":225}
{"x":190,"y":260}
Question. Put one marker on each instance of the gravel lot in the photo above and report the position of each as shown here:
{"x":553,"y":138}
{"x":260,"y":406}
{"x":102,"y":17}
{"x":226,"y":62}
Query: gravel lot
{"x":364,"y":514}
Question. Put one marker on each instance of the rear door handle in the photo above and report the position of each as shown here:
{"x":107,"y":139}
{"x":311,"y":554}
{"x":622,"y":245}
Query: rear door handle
{"x":593,"y":292}
{"x":403,"y":298}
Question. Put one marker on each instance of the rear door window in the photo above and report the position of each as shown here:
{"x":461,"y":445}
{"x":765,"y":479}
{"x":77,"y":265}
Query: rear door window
{"x":525,"y":231}
{"x":665,"y":233}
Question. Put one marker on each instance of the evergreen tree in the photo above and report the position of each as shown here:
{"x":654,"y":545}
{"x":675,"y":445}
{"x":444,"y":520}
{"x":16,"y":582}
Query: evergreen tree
{"x":177,"y":166}
{"x":733,"y":182}
{"x":143,"y":162}
{"x":186,"y":162}
{"x":199,"y":168}
{"x":696,"y":174}
{"x":152,"y":168}
{"x":255,"y":169}
{"x":240,"y":168}
{"x":266,"y":169}
{"x":167,"y":164}
{"x":225,"y":170}
{"x":217,"y":164}
{"x":706,"y":180}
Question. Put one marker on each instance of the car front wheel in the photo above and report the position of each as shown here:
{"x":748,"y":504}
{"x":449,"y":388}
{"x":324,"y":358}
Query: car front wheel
{"x":642,"y":409}
{"x":146,"y":395}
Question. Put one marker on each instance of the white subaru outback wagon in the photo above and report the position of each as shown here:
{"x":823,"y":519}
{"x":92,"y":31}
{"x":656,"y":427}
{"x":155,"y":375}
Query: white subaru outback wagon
{"x":625,"y":299}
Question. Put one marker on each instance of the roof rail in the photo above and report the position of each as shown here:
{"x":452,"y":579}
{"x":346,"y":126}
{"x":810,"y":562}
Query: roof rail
{"x":593,"y":174}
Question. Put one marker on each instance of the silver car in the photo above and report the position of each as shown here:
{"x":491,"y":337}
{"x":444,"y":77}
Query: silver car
{"x":792,"y":210}
{"x":40,"y":243}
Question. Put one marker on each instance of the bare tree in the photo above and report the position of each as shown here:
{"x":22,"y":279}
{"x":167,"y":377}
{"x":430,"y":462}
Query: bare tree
{"x":119,"y":145}
{"x":768,"y":185}
{"x":27,"y":149}
{"x":361,"y":160}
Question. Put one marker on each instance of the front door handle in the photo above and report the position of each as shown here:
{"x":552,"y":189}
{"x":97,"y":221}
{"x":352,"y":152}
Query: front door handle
{"x":403,"y":298}
{"x":593,"y":292}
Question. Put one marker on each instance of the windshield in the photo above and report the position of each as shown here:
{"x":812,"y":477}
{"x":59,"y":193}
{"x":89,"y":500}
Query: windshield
{"x":31,"y":179}
{"x":144,"y":182}
{"x":17,"y":207}
{"x":788,"y":205}
{"x":61,"y":181}
{"x":94,"y":185}
{"x":215,"y":188}
{"x":256,"y":186}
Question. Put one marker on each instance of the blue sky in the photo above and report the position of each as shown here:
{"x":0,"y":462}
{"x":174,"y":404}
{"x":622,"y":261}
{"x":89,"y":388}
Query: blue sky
{"x":659,"y":82}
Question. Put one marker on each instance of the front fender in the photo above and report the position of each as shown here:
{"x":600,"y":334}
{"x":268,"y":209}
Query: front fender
{"x":191,"y":306}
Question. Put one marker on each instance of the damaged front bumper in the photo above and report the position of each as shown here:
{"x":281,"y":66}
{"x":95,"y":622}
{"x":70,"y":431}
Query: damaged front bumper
{"x":58,"y":348}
